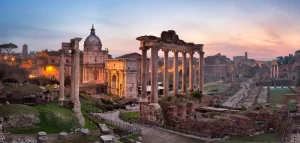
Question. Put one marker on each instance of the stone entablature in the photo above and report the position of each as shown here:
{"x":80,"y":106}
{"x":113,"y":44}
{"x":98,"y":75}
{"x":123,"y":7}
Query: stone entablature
{"x":121,"y":77}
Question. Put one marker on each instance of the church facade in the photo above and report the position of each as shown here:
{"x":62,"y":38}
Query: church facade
{"x":93,"y":60}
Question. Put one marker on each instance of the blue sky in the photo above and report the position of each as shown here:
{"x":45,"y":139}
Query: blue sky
{"x":264,"y":28}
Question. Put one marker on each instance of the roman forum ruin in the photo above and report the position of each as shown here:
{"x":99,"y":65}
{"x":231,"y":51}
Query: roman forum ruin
{"x":274,"y":69}
{"x":169,"y":41}
{"x":75,"y":69}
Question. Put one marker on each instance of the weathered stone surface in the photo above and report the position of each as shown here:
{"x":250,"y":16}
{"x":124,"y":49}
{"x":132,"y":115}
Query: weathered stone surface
{"x":23,"y":120}
{"x":24,"y":140}
{"x":85,"y":132}
{"x":62,"y":135}
{"x":42,"y":139}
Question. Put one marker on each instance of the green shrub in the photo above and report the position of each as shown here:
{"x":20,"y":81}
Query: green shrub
{"x":243,"y":108}
{"x":196,"y":94}
{"x":109,"y":107}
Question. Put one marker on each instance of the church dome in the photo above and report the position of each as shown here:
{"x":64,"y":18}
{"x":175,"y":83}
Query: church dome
{"x":92,"y":42}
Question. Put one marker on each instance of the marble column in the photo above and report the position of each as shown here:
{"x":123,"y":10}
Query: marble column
{"x":201,"y":71}
{"x":61,"y":78}
{"x":191,"y":86}
{"x":183,"y":72}
{"x":73,"y":64}
{"x":175,"y":74}
{"x":144,"y":76}
{"x":154,"y":77}
{"x":166,"y":73}
{"x":274,"y":71}
{"x":77,"y":104}
{"x":277,"y":71}
{"x":271,"y":74}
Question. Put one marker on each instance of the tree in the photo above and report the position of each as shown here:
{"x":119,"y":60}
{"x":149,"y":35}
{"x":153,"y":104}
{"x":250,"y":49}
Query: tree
{"x":298,"y":79}
{"x":7,"y":48}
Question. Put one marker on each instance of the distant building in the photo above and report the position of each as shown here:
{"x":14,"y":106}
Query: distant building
{"x":122,"y":77}
{"x":46,"y":64}
{"x":215,"y":66}
{"x":240,"y":58}
{"x":93,"y":62}
{"x":138,"y":58}
{"x":25,"y":51}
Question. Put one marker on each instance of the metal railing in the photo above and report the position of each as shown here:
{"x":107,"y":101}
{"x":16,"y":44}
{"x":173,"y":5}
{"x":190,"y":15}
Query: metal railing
{"x":122,"y":125}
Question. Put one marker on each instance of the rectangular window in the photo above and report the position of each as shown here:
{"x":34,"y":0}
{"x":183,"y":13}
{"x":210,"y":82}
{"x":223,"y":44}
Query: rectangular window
{"x":53,"y":60}
{"x":67,"y":61}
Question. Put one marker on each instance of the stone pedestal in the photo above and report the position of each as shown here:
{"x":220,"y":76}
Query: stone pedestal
{"x":42,"y":137}
{"x":62,"y":135}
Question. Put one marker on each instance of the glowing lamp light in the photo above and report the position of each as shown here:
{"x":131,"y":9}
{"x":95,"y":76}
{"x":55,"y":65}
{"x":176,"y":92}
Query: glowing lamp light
{"x":5,"y":58}
{"x":13,"y":59}
{"x":49,"y":69}
{"x":31,"y":76}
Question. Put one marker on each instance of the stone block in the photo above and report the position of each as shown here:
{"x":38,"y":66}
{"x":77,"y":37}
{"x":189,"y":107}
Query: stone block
{"x":62,"y":135}
{"x":85,"y":132}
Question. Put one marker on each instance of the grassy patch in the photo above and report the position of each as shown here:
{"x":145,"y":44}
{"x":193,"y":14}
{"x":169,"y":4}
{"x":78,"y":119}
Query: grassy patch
{"x":269,"y":137}
{"x":129,"y":116}
{"x":127,"y":139}
{"x":54,"y":119}
{"x":23,"y":88}
{"x":219,"y":87}
{"x":16,"y":109}
{"x":277,"y":96}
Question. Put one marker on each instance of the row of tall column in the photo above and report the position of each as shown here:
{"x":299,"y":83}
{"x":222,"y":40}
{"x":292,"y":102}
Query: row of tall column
{"x":154,"y":74}
{"x":274,"y":71}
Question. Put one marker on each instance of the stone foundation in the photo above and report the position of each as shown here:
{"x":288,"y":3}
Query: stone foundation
{"x":23,"y":120}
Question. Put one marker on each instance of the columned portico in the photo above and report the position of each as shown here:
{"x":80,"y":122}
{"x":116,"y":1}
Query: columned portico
{"x":166,"y":73}
{"x":274,"y":70}
{"x":169,"y":41}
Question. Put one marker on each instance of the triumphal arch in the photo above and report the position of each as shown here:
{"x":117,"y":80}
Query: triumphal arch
{"x":168,"y":42}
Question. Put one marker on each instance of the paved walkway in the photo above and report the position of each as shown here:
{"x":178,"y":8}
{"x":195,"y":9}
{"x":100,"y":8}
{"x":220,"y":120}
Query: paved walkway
{"x":235,"y":99}
{"x":153,"y":135}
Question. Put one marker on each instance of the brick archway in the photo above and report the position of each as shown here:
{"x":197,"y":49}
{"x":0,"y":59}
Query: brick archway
{"x":288,"y":97}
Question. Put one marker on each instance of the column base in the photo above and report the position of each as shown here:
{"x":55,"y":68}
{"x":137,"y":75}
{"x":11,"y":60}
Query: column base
{"x":156,"y":105}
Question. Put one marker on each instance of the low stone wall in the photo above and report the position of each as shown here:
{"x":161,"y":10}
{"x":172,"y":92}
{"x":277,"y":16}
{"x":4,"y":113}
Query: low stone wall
{"x":23,"y":120}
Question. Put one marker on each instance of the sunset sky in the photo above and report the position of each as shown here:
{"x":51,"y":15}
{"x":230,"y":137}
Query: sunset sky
{"x":263,"y":28}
